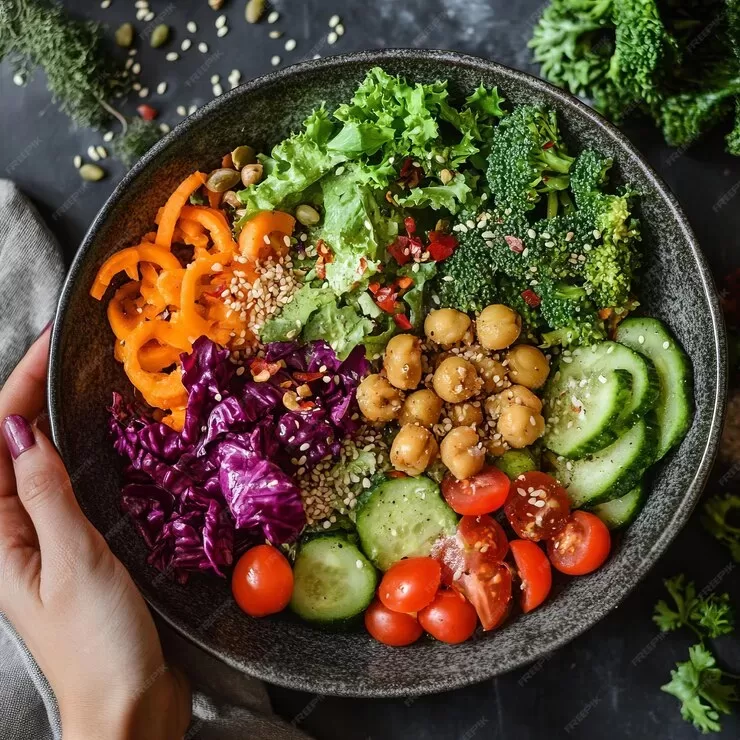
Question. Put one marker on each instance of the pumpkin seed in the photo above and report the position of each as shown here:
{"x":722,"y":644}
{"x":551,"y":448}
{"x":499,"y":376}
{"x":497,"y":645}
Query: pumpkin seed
{"x":254,"y":10}
{"x":125,"y":35}
{"x":445,"y":176}
{"x":215,"y":4}
{"x":307,"y":215}
{"x":221,"y":180}
{"x":251,"y":174}
{"x":242,"y":156}
{"x":231,"y":199}
{"x":91,"y":172}
{"x":160,"y":36}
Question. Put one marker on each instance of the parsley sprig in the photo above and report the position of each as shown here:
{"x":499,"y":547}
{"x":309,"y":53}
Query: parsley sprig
{"x":698,"y":683}
{"x":722,"y":520}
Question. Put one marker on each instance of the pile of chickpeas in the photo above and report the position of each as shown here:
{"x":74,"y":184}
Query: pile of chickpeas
{"x":476,"y":396}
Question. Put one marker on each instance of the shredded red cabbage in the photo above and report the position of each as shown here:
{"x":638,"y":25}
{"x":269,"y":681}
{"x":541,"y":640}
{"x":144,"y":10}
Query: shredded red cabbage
{"x":199,"y":496}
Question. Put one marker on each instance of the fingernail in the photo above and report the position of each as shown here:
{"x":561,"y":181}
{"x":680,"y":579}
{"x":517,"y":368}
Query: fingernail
{"x":45,"y":329}
{"x":18,"y":435}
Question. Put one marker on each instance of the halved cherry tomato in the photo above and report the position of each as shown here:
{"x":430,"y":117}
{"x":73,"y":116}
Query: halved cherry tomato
{"x":480,"y":494}
{"x":449,"y":618}
{"x":538,"y":506}
{"x":472,"y":564}
{"x":582,"y":546}
{"x":262,"y":583}
{"x":391,"y":628}
{"x":534,"y":572}
{"x":410,"y":585}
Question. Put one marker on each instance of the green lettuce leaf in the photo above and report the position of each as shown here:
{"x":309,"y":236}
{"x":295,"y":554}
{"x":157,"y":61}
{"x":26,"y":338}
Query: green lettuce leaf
{"x":451,"y":197}
{"x":343,"y":328}
{"x":415,"y":297}
{"x":289,"y":323}
{"x":375,"y":343}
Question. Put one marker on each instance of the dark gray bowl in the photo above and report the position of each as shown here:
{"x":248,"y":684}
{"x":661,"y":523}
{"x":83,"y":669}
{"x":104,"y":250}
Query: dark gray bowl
{"x":676,"y":287}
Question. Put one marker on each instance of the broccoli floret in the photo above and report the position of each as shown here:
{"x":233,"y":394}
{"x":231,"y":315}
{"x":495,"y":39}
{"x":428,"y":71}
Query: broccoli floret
{"x":528,"y":158}
{"x":571,"y":314}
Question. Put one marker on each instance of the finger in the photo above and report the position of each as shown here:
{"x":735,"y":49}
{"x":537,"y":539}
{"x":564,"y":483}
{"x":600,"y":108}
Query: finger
{"x":23,"y":394}
{"x":44,"y":488}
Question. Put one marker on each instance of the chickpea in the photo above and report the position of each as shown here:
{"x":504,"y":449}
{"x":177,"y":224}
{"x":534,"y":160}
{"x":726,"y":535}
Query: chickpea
{"x":378,"y":399}
{"x":491,"y":372}
{"x":446,"y":326}
{"x":520,"y":426}
{"x":466,"y":415}
{"x":496,"y":446}
{"x":402,"y":361}
{"x":461,"y":454}
{"x":498,"y":326}
{"x":455,"y":380}
{"x":528,"y":366}
{"x":413,"y":449}
{"x":421,"y":407}
{"x":516,"y":394}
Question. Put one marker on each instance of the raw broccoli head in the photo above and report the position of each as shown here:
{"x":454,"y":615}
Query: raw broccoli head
{"x":572,"y":315}
{"x":528,"y":158}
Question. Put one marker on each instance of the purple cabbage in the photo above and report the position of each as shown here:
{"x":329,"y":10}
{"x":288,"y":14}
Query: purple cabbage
{"x":201,"y":496}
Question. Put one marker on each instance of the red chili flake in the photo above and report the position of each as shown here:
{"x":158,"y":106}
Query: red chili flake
{"x":531,"y":298}
{"x":308,"y":377}
{"x":548,"y":144}
{"x":515,"y":244}
{"x":441,"y":246}
{"x":385,"y":298}
{"x":410,"y":225}
{"x":216,"y":292}
{"x":259,"y":365}
{"x":363,"y":266}
{"x":406,"y":248}
{"x":147,"y":112}
{"x":410,"y":175}
{"x":404,"y":282}
{"x":373,"y":287}
{"x":306,"y":405}
{"x":402,"y":321}
{"x":324,"y":258}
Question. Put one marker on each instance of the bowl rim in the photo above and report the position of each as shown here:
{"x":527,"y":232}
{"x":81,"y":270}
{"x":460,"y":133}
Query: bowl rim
{"x":477,"y":673}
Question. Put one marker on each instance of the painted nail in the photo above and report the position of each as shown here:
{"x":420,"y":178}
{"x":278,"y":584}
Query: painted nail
{"x":18,"y":435}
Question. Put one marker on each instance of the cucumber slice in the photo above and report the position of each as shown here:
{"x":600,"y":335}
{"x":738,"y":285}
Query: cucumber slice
{"x":622,"y":511}
{"x":332,"y":580}
{"x":675,"y":406}
{"x":609,"y":473}
{"x":402,"y":518}
{"x":516,"y":462}
{"x":583,"y":406}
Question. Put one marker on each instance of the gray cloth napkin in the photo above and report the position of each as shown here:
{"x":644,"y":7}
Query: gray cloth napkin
{"x":227,"y":705}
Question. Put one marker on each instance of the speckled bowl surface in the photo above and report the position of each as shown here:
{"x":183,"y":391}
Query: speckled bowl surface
{"x":676,"y":286}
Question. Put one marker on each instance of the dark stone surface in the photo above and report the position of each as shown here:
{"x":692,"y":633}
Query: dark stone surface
{"x":605,"y":682}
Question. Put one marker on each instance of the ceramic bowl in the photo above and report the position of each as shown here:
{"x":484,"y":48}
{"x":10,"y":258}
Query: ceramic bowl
{"x":676,"y":286}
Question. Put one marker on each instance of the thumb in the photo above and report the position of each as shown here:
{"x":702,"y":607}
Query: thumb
{"x":44,"y":487}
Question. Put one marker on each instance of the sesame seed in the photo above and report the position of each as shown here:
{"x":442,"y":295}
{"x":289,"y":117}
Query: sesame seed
{"x":332,"y":37}
{"x":161,"y":88}
{"x":181,"y":110}
{"x":666,"y":345}
{"x":203,"y":47}
{"x":333,"y":21}
{"x":222,"y":31}
{"x":186,"y":44}
{"x":273,"y":17}
{"x":221,"y":21}
{"x":290,"y":44}
{"x":641,"y":339}
{"x":339,"y":29}
{"x":172,"y":56}
{"x":93,"y":154}
{"x":192,"y":26}
{"x":275,"y":60}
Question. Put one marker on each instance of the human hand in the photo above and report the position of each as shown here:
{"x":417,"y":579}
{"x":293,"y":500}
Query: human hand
{"x":68,"y":596}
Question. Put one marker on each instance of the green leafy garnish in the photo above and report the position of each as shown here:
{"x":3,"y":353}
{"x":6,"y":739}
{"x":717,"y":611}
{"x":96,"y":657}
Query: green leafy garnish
{"x":722,"y":519}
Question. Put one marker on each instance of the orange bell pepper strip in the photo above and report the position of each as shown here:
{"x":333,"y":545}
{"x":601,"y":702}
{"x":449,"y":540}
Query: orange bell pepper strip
{"x":169,"y":285}
{"x":160,"y":390}
{"x":191,"y":318}
{"x":125,"y":313}
{"x":215,"y":222}
{"x":254,"y":240}
{"x":127,"y":260}
{"x":214,"y":199}
{"x":153,"y":356}
{"x":175,"y":419}
{"x":149,"y":290}
{"x":174,"y":205}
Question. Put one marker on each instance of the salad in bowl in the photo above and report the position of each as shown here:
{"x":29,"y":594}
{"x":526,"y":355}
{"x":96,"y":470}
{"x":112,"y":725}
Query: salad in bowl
{"x":390,"y":371}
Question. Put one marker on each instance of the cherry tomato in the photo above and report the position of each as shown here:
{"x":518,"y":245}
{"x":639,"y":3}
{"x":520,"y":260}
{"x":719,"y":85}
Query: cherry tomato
{"x":538,"y":506}
{"x":582,"y":546}
{"x":449,"y":618}
{"x":410,"y":585}
{"x":480,"y":494}
{"x":262,"y":583}
{"x":472,"y":565}
{"x":391,"y":628}
{"x":534,"y":572}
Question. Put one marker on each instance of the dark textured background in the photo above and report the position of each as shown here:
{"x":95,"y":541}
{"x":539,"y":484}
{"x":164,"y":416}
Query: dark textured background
{"x":606,"y":683}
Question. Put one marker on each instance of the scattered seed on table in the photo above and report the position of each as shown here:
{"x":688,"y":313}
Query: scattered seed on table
{"x":160,"y":36}
{"x":333,"y":21}
{"x":92,"y":153}
{"x":216,"y":4}
{"x":77,"y":161}
{"x":141,"y":4}
{"x":108,"y":136}
{"x":203,"y":47}
{"x":124,"y":35}
{"x":161,"y":88}
{"x":290,"y":44}
{"x":186,"y":44}
{"x":316,"y":56}
{"x":136,"y":86}
{"x":192,"y":26}
{"x":222,"y":31}
{"x":339,"y":30}
{"x":91,"y":172}
{"x":102,"y":151}
{"x":332,"y":38}
{"x":140,"y":13}
{"x":19,"y":80}
{"x":214,"y":79}
{"x":180,"y":110}
{"x":192,"y":109}
{"x":105,"y":4}
{"x":220,"y":21}
{"x":275,"y":34}
{"x":217,"y":90}
{"x":136,"y":68}
{"x":132,"y":52}
{"x":164,"y":128}
{"x":273,"y":17}
{"x":275,"y":60}
{"x":149,"y":16}
{"x":253,"y":10}
{"x":129,"y":63}
{"x":172,"y":56}
{"x":143,"y":92}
